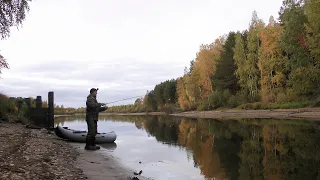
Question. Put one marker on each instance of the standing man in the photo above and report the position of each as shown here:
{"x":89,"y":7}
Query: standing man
{"x":92,"y":115}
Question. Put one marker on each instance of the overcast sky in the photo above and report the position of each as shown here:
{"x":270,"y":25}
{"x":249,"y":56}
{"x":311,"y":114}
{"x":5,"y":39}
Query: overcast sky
{"x":123,"y":47}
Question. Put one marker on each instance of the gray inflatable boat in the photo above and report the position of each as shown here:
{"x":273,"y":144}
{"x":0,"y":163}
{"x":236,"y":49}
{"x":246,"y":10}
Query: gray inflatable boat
{"x":80,"y":136}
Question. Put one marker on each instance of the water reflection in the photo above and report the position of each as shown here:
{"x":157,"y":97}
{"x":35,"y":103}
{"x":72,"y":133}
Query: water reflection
{"x":236,"y":149}
{"x":109,"y":146}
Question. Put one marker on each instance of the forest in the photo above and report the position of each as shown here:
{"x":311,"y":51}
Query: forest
{"x":268,"y":65}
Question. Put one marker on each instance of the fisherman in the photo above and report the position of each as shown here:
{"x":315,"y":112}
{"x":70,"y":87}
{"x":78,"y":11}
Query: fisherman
{"x":92,"y":115}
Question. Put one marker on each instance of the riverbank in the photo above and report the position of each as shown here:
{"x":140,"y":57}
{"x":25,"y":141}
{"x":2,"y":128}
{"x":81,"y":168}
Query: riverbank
{"x":39,"y":154}
{"x":299,"y":113}
{"x":134,"y":114}
{"x":35,"y":154}
{"x":101,"y":165}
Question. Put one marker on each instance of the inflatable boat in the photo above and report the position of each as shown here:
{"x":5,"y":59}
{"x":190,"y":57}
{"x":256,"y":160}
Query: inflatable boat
{"x":80,"y":136}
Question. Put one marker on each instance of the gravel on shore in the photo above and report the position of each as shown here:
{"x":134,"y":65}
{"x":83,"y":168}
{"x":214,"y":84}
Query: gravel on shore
{"x":35,"y":154}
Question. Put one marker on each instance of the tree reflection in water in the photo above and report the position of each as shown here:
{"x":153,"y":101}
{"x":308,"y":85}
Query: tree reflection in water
{"x":238,"y":149}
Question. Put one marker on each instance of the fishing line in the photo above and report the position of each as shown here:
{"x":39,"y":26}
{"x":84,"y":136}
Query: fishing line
{"x":123,"y":99}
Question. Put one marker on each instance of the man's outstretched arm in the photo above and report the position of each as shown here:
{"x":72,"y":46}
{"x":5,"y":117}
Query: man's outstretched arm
{"x":92,"y":104}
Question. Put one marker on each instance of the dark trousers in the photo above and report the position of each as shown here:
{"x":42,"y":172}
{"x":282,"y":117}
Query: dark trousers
{"x":92,"y":129}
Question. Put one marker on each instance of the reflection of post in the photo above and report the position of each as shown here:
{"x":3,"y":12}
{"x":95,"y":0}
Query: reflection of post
{"x":50,"y":110}
{"x":38,"y":102}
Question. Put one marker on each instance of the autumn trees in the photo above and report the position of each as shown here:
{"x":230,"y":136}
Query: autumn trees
{"x":269,"y":64}
{"x":197,"y":85}
{"x":277,"y":62}
{"x":162,"y":98}
{"x":246,"y":58}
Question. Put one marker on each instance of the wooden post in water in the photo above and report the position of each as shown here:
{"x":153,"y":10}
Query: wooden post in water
{"x":50,"y":110}
{"x":38,"y":102}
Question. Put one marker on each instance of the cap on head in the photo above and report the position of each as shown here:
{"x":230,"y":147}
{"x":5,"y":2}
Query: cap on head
{"x":93,"y":90}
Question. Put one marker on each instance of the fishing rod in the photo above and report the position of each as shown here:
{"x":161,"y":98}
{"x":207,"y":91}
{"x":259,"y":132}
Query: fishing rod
{"x":122,"y":99}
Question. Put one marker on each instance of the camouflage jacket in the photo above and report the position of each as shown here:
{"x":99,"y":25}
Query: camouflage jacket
{"x":93,"y":108}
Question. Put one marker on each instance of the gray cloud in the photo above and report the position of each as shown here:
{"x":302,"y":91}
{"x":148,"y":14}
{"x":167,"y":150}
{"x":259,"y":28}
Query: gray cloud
{"x":120,"y":71}
{"x":71,"y":81}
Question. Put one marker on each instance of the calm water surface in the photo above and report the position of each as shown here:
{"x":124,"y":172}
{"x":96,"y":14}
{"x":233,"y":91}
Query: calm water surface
{"x":183,"y":148}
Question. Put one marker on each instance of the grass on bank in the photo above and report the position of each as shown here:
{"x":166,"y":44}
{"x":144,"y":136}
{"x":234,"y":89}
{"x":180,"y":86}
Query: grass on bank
{"x":9,"y":110}
{"x":286,"y":105}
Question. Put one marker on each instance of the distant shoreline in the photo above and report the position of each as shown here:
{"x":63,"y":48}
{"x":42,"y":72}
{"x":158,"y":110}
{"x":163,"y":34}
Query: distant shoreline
{"x":299,"y":113}
{"x":135,"y":114}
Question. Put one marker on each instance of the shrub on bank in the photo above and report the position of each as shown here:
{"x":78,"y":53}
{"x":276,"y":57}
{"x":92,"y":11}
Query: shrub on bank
{"x":285,"y":105}
{"x":6,"y":106}
{"x":170,"y":108}
{"x":316,"y":102}
{"x":219,"y":99}
{"x":9,"y":110}
{"x":204,"y":105}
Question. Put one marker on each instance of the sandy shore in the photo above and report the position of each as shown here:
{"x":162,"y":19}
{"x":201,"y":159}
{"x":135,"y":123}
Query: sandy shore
{"x":101,"y":165}
{"x":134,"y":114}
{"x":301,"y":113}
{"x":39,"y":154}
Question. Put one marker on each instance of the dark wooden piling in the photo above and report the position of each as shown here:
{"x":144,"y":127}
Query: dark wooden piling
{"x":51,"y":109}
{"x":41,"y":116}
{"x":38,"y":102}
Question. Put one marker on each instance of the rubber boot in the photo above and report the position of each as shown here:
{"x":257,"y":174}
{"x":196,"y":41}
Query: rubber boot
{"x":89,"y":145}
{"x":94,"y":144}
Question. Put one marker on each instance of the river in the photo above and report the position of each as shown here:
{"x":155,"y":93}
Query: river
{"x":166,"y":147}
